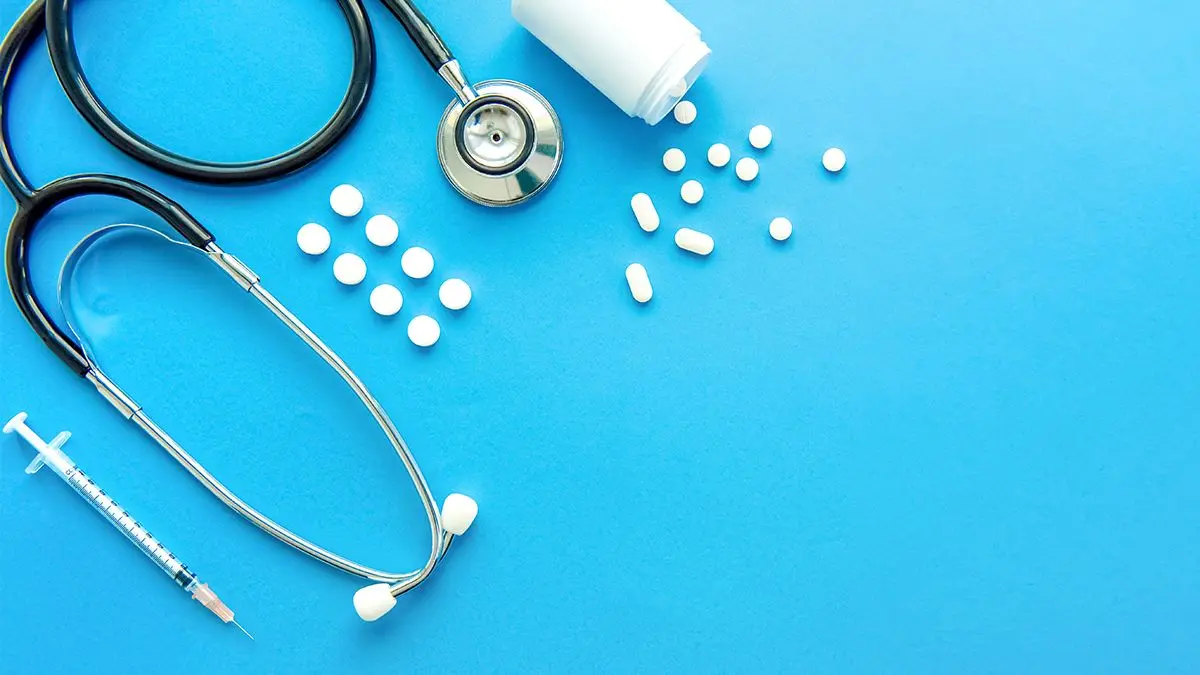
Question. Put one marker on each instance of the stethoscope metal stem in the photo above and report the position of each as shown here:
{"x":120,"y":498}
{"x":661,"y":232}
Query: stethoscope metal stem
{"x":249,"y":281}
{"x":451,"y":72}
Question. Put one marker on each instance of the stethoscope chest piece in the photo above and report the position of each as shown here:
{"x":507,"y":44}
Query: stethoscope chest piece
{"x":502,"y":147}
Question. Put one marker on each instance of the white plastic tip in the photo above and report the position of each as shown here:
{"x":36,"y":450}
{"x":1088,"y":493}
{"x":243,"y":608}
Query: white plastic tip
{"x":15,"y":422}
{"x":458,"y":512}
{"x":372,"y":602}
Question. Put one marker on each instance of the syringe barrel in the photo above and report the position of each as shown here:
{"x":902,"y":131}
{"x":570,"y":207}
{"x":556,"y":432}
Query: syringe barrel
{"x":120,"y":519}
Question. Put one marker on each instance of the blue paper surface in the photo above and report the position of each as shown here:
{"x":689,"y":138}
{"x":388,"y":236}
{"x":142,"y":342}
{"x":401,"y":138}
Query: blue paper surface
{"x":949,"y":427}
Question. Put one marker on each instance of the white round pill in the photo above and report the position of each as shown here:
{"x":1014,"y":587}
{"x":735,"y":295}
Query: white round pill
{"x":424,"y":331}
{"x":346,"y":200}
{"x":313,"y":239}
{"x":349,"y":269}
{"x":454,"y":294}
{"x":780,"y":229}
{"x":692,"y":192}
{"x":674,"y":160}
{"x":718,"y":155}
{"x":685,"y":112}
{"x":417,"y":262}
{"x":834,"y":160}
{"x":760,"y":136}
{"x":382,"y":230}
{"x":679,"y":89}
{"x":386,"y":300}
{"x":747,"y":169}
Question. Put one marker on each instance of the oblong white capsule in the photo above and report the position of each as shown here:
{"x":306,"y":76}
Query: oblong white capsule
{"x":639,"y":283}
{"x":694,"y":242}
{"x":644,"y":211}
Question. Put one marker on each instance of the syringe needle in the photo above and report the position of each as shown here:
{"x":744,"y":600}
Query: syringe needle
{"x":241,"y":629}
{"x":51,"y":455}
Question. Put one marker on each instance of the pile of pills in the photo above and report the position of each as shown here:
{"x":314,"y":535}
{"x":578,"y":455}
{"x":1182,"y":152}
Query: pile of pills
{"x":351,"y":270}
{"x":691,"y":192}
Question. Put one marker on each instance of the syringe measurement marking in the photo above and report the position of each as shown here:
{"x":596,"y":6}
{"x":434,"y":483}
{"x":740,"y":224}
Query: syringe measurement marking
{"x":130,"y":526}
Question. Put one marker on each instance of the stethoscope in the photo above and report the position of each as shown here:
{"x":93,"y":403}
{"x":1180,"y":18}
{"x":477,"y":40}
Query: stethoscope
{"x":499,"y":143}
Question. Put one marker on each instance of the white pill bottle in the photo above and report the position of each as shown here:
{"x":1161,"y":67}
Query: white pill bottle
{"x":642,"y":54}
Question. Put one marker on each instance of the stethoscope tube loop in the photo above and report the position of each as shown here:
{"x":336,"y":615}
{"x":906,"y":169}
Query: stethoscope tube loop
{"x":16,"y":43}
{"x":66,"y":346}
{"x":65,"y":59}
{"x":39,"y":203}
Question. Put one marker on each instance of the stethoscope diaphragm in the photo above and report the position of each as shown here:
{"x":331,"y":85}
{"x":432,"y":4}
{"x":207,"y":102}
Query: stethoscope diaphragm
{"x":501,"y":147}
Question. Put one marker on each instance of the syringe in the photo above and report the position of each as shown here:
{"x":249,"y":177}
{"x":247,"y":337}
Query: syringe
{"x":51,"y":454}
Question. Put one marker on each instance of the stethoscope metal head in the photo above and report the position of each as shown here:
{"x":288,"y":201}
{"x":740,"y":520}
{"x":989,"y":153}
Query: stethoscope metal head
{"x":502,"y":146}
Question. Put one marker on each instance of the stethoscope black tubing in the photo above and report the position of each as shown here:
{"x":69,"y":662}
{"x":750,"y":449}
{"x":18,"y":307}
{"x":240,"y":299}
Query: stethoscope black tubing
{"x":34,"y":203}
{"x":12,"y":51}
{"x":421,"y":31}
{"x":42,"y":201}
{"x":65,"y":58}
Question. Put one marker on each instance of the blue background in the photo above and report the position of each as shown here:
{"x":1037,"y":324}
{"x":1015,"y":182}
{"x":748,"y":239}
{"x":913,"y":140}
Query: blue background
{"x":949,"y":427}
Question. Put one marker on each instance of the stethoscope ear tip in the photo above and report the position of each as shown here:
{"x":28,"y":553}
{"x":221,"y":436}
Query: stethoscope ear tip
{"x":372,"y":602}
{"x":458,"y":512}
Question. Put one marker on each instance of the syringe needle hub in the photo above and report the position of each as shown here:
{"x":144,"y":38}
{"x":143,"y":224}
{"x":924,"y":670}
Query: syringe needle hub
{"x":204,"y":595}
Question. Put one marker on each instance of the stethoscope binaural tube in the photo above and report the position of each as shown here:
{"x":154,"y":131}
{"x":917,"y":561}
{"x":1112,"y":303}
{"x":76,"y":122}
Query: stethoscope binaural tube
{"x":459,"y":510}
{"x":422,"y":33}
{"x":39,"y":203}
